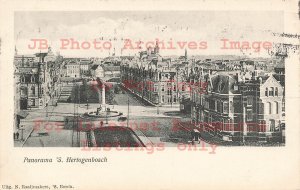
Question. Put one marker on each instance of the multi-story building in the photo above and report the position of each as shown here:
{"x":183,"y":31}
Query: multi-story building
{"x":34,"y":83}
{"x":111,"y":71}
{"x":73,"y":69}
{"x":237,"y":106}
{"x":34,"y":79}
{"x":78,"y":67}
{"x":85,"y":67}
{"x":155,"y":79}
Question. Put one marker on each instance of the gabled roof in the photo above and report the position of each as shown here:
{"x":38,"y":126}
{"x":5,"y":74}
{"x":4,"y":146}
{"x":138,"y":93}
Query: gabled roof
{"x":94,"y":67}
{"x":267,"y":78}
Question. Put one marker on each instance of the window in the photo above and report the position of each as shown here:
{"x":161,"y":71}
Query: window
{"x":272,"y":124}
{"x":249,"y":115}
{"x":271,"y":92}
{"x":206,"y":103}
{"x":24,"y":91}
{"x":283,"y":105}
{"x":201,"y":100}
{"x":276,"y":107}
{"x":219,"y":87}
{"x":174,"y":99}
{"x":266,"y":92}
{"x":33,"y":90}
{"x":169,"y":90}
{"x":249,"y":100}
{"x":169,"y":99}
{"x":174,"y":88}
{"x":225,"y":107}
{"x":235,"y":87}
{"x":32,"y":79}
{"x":22,"y":79}
{"x":270,"y":107}
{"x":163,"y":88}
{"x":32,"y":102}
{"x":231,"y":107}
{"x":276,"y":91}
{"x":261,"y":108}
{"x":162,"y":99}
{"x":155,"y":88}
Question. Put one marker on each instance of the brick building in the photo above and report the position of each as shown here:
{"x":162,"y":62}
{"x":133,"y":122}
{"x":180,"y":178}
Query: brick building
{"x":236,"y":105}
{"x":154,"y":79}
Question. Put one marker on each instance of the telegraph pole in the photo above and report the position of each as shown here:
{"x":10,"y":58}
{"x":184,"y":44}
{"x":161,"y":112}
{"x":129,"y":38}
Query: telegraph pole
{"x":159,"y":93}
{"x":128,"y":112}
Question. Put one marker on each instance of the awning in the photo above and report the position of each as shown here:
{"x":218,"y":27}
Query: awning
{"x":22,"y":114}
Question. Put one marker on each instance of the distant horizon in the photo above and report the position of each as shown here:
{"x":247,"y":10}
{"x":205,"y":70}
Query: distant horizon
{"x":199,"y":57}
{"x":197,"y":26}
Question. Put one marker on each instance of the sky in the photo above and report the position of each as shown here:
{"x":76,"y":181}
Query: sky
{"x":114,"y":27}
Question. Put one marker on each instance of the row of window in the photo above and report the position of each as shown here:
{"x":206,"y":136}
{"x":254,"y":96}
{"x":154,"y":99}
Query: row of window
{"x":169,"y":88}
{"x":73,"y":67}
{"x":272,"y":108}
{"x":32,"y":90}
{"x":218,"y":106}
{"x":73,"y":71}
{"x":32,"y":79}
{"x":228,"y":125}
{"x":271,"y":91}
{"x":224,"y":107}
{"x":168,"y":99}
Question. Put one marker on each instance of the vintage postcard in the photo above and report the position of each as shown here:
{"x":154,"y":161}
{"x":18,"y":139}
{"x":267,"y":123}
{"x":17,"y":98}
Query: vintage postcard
{"x":148,"y":94}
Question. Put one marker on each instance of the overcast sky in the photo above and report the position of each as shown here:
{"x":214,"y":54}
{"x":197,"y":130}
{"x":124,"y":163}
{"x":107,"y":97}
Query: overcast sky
{"x":209,"y":26}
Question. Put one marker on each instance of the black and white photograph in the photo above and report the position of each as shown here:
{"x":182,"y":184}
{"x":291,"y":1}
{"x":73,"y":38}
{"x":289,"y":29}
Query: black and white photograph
{"x":131,"y":79}
{"x":125,"y":94}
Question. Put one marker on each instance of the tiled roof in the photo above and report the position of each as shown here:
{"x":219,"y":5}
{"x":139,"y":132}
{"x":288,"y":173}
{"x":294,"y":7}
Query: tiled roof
{"x":112,"y":68}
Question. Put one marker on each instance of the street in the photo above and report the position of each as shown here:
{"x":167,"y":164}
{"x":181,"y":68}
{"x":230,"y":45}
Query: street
{"x":46,"y":127}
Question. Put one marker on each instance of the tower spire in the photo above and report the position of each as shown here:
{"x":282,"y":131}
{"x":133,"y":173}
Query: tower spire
{"x":16,"y":51}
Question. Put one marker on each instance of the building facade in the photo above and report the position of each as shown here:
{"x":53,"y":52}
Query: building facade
{"x":73,"y":69}
{"x":237,"y":106}
{"x":154,"y":79}
{"x":33,"y":84}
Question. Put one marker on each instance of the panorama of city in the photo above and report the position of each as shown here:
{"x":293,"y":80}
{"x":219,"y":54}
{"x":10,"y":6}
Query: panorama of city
{"x":147,"y":99}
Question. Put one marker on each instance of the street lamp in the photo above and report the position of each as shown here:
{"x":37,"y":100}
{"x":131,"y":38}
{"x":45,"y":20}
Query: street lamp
{"x":22,"y":132}
{"x":46,"y":109}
